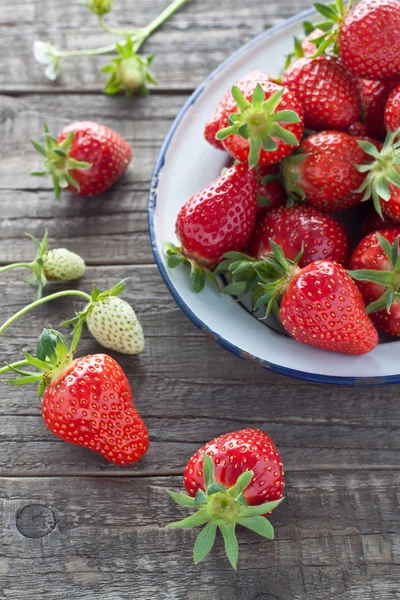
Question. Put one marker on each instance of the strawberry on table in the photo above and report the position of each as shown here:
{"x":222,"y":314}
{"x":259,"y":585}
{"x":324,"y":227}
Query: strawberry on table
{"x":236,"y":479}
{"x":86,"y":158}
{"x":323,"y":172}
{"x":327,"y":92}
{"x":216,"y":220}
{"x":87,"y":401}
{"x":261,"y":125}
{"x":301,"y":229}
{"x":375,"y":265}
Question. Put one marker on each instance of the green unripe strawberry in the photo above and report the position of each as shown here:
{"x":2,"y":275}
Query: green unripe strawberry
{"x":100,"y":7}
{"x":62,"y":265}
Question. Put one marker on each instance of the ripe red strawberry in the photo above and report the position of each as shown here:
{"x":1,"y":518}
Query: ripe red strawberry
{"x":369,"y":40}
{"x":323,"y":173}
{"x":261,"y":124}
{"x":357,"y":130}
{"x":322,"y":307}
{"x":320,"y":236}
{"x":326,"y":90}
{"x":218,"y":219}
{"x":234,"y":479}
{"x":88,"y":401}
{"x":270,"y":192}
{"x":213,"y":125}
{"x":392,"y":110}
{"x":375,"y":265}
{"x":374,"y":95}
{"x":87,"y":158}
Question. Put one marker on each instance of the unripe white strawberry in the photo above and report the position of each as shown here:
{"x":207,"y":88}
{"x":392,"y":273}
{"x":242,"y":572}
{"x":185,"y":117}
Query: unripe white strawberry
{"x":114,"y":324}
{"x":62,"y":265}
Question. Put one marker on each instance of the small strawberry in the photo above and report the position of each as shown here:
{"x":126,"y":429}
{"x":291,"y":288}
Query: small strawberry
{"x":270,"y":192}
{"x":323,"y":172}
{"x":374,"y":96}
{"x":87,"y":158}
{"x":375,"y":265}
{"x":58,"y":264}
{"x":87,"y":401}
{"x":214,"y":124}
{"x":219,"y":218}
{"x":326,"y":91}
{"x":318,"y":305}
{"x":261,"y":124}
{"x":369,"y":40}
{"x":236,"y":479}
{"x":392,"y":110}
{"x":301,"y":229}
{"x":357,"y":130}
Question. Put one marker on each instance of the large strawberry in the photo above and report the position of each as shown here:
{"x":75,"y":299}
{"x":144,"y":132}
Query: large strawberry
{"x":216,"y":220}
{"x":86,"y":158}
{"x":375,"y":265}
{"x":87,"y":401}
{"x":326,"y":90}
{"x":374,"y":96}
{"x":318,"y":305}
{"x":236,"y":479}
{"x":270,"y":191}
{"x":392,"y":110}
{"x":323,"y":172}
{"x":214,"y":124}
{"x":369,"y":41}
{"x":262,"y":125}
{"x":301,"y":229}
{"x":58,"y":264}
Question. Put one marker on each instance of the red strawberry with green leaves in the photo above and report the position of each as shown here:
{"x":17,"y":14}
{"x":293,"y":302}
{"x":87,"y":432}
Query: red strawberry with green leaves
{"x":301,"y":229}
{"x":87,"y":401}
{"x":375,"y":265}
{"x":326,"y":91}
{"x":323,"y":171}
{"x":270,"y":192}
{"x":214,"y":124}
{"x":216,"y":220}
{"x":86,"y":158}
{"x":236,"y":479}
{"x":392,"y":110}
{"x":369,"y":41}
{"x":261,"y":125}
{"x":319,"y":305}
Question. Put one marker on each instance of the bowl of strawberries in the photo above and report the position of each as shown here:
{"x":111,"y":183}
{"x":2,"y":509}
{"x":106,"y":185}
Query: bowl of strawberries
{"x":274,"y":209}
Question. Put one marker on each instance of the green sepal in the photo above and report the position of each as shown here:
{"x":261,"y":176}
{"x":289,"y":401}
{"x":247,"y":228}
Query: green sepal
{"x":204,"y":542}
{"x":261,"y":509}
{"x":182,"y":499}
{"x":230,"y":542}
{"x":198,"y":273}
{"x":194,"y":520}
{"x":200,"y":498}
{"x":259,"y":525}
{"x":241,"y":484}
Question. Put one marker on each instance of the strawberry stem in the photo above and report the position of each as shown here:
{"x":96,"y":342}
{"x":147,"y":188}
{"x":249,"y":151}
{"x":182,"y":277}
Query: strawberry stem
{"x":20,"y":265}
{"x":13,"y":366}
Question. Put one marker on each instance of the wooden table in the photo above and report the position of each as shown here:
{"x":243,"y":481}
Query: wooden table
{"x":73,"y":527}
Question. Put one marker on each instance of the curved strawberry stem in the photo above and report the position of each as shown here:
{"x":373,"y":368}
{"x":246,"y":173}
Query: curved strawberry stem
{"x":198,"y":273}
{"x":388,"y":279}
{"x":222,"y":508}
{"x":258,"y":122}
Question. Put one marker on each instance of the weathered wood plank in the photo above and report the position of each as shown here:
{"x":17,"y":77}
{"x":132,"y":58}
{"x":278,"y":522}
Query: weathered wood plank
{"x":338,"y":536}
{"x":193,"y":43}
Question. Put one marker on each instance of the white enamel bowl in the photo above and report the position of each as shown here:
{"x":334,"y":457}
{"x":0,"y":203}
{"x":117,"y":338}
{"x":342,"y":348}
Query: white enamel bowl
{"x":186,"y":164}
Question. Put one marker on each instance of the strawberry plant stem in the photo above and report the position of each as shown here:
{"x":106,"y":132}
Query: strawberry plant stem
{"x":26,"y":309}
{"x":16,"y":365}
{"x":15,"y":266}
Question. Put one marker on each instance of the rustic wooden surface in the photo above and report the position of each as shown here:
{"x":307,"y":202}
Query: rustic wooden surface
{"x":73,"y":527}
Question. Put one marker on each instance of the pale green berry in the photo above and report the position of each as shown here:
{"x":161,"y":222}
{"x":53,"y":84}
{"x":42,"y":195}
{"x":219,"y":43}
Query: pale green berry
{"x":131,"y":73}
{"x":114,"y":324}
{"x":100,"y":7}
{"x":62,"y":265}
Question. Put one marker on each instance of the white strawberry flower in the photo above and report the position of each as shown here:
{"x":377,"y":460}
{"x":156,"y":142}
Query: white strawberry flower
{"x":46,"y":54}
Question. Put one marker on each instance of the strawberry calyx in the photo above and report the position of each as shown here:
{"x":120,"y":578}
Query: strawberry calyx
{"x":334,"y":15}
{"x":222,"y":508}
{"x":53,"y":356}
{"x":390,"y":280}
{"x":291,"y":175}
{"x":58,"y":164}
{"x":265,"y":279}
{"x":129,"y":71}
{"x":380,"y":172}
{"x":198,"y":273}
{"x":258,"y":122}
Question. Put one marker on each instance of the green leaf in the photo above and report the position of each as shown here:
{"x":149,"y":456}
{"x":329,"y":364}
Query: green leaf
{"x":270,"y":105}
{"x":182,"y":499}
{"x":175,"y":260}
{"x":259,"y":525}
{"x":261,"y":509}
{"x":201,"y":498}
{"x":377,"y":305}
{"x":242,"y":483}
{"x":268,"y":143}
{"x":223,"y":267}
{"x":46,"y":347}
{"x":240,"y":100}
{"x":326,"y":11}
{"x":382,"y":189}
{"x":258,"y":96}
{"x":393,"y":177}
{"x":231,"y":543}
{"x":286,"y":116}
{"x":384,"y":278}
{"x":214,"y":488}
{"x":193,"y":521}
{"x":39,"y":364}
{"x":38,"y":174}
{"x":23,"y":380}
{"x":386,"y":247}
{"x":208,"y":470}
{"x":255,"y":150}
{"x":204,"y":542}
{"x":211,"y":278}
{"x":287,"y":136}
{"x":39,"y":148}
{"x":198,"y":279}
{"x":108,"y":69}
{"x":368,"y":148}
{"x":234,"y":289}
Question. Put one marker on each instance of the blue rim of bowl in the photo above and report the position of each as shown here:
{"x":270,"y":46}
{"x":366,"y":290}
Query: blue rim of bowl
{"x":304,"y":375}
